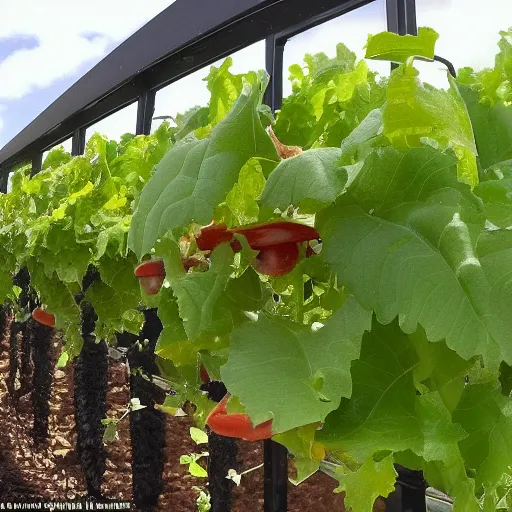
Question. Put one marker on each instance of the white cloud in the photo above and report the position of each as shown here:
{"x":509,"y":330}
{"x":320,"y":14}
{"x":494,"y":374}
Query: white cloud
{"x":68,"y":33}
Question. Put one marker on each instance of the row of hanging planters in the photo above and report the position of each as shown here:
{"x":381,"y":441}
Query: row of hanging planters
{"x":34,"y":375}
{"x":77,"y":270}
{"x":334,"y":278}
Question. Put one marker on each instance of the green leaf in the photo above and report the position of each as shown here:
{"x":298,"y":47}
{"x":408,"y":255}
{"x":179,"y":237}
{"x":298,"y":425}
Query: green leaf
{"x":381,"y":412}
{"x":418,"y":259}
{"x":63,"y":360}
{"x":196,"y":470}
{"x":198,"y":435}
{"x":444,"y":465}
{"x":225,"y":88}
{"x":194,"y":177}
{"x":110,"y":434}
{"x":415,"y":111}
{"x":363,"y":138}
{"x":486,"y":415}
{"x":299,"y":441}
{"x":371,"y":480}
{"x":198,"y":293}
{"x":396,"y":48}
{"x":115,"y":298}
{"x":247,"y":292}
{"x":242,"y":198}
{"x":56,"y":157}
{"x":492,"y":126}
{"x":440,"y":369}
{"x":193,"y":467}
{"x":278,"y":354}
{"x":304,"y":468}
{"x":192,"y":119}
{"x":310,"y":181}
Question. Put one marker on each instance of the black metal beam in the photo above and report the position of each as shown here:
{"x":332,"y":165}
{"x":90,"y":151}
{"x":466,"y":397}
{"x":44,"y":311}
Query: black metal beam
{"x":401,"y":17}
{"x":169,"y":47}
{"x":145,"y":112}
{"x":78,"y":142}
{"x":274,"y":50}
{"x":275,"y":468}
{"x":37,"y":164}
{"x":4,"y":178}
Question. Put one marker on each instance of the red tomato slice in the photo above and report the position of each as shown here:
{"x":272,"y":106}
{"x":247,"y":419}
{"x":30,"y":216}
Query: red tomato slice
{"x":212,"y":235}
{"x":41,"y":316}
{"x":274,"y":233}
{"x":204,"y":375}
{"x":237,"y":425}
{"x":277,"y":260}
{"x":150,"y":268}
{"x":151,"y":284}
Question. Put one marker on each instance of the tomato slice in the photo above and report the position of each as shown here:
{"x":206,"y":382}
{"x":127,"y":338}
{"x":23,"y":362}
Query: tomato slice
{"x":41,"y":316}
{"x":277,"y":260}
{"x":213,"y":235}
{"x":150,"y":268}
{"x":278,"y":232}
{"x":237,"y":425}
{"x":151,"y":284}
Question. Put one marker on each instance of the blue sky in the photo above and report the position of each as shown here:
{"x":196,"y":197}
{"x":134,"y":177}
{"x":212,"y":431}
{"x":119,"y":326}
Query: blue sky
{"x":46,"y":46}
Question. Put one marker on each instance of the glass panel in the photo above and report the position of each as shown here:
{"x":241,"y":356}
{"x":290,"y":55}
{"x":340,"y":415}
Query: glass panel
{"x":191,"y":90}
{"x":115,"y":125}
{"x":351,"y":29}
{"x":468,"y":31}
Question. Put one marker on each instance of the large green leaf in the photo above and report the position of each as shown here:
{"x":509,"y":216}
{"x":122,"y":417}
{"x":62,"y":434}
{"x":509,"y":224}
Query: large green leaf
{"x":195,"y":176}
{"x":381,"y":412}
{"x":492,"y":126}
{"x":284,"y":369}
{"x":486,"y":415}
{"x":414,"y":254}
{"x":310,"y":181}
{"x":394,"y":270}
{"x":444,"y":465}
{"x":415,"y":111}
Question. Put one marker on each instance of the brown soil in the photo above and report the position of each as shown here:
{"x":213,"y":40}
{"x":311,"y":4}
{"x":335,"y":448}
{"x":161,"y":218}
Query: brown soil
{"x":51,"y":471}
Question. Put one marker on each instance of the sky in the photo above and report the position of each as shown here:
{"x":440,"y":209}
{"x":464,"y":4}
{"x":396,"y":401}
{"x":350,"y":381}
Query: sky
{"x":46,"y":46}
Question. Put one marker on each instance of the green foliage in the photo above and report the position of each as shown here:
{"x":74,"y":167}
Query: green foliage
{"x":330,"y":98}
{"x":196,"y":175}
{"x":391,"y":343}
